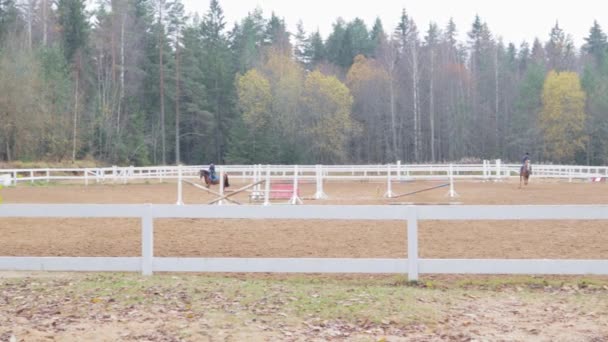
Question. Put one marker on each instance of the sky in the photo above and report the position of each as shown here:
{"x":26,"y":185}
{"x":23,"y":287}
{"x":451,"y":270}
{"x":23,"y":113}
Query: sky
{"x":513,"y":20}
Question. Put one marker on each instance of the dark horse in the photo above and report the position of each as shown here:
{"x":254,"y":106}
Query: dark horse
{"x":206,"y":176}
{"x":524,"y":173}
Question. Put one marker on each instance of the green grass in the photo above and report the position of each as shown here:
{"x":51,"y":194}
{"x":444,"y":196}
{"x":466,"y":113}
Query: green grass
{"x":377,"y":300}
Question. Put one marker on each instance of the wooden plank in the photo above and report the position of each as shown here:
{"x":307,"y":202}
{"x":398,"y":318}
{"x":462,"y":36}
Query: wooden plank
{"x":237,"y":191}
{"x":513,"y":266}
{"x":281,"y":265}
{"x":68,"y":264}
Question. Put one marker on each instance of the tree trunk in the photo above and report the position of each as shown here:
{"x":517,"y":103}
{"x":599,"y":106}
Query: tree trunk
{"x":75,"y":123}
{"x":162,"y":85}
{"x":44,"y":23}
{"x":415,"y":103}
{"x":496,"y":97}
{"x":30,"y":19}
{"x":177,"y":133}
{"x":393,"y":117}
{"x":432,"y":106}
{"x":122,"y":72}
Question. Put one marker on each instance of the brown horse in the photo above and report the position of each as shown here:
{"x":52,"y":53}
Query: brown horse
{"x":524,"y":173}
{"x":206,"y":176}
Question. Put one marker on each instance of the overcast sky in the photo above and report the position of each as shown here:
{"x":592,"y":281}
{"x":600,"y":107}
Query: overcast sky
{"x":514,"y":20}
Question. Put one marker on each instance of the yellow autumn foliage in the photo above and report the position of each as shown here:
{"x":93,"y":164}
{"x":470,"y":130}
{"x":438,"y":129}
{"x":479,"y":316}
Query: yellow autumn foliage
{"x":255,"y":98}
{"x":328,"y":104}
{"x":562,"y":119}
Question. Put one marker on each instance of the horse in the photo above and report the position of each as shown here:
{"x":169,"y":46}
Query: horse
{"x":524,"y":173}
{"x":206,"y":176}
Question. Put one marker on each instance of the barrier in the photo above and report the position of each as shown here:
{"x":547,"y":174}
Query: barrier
{"x":413,"y":265}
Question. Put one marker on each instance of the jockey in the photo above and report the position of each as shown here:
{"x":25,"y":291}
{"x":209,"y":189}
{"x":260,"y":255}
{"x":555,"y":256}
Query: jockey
{"x":212,"y":173}
{"x":525,"y":159}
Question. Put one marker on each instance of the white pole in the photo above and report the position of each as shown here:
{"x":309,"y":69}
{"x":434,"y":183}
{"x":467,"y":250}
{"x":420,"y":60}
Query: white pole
{"x":147,"y":242}
{"x":295,"y":199}
{"x":179,"y":186}
{"x":389,"y":189}
{"x":48,"y":176}
{"x":86,"y":177}
{"x":398,"y":170}
{"x":15,"y":178}
{"x":267,"y":186}
{"x":254,"y":178}
{"x":319,"y":176}
{"x":220,"y":202}
{"x":485,"y":170}
{"x":498,"y":168}
{"x":452,"y":193}
{"x":412,"y":247}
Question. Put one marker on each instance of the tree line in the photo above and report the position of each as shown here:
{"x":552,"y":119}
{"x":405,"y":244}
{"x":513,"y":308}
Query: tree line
{"x":141,"y":82}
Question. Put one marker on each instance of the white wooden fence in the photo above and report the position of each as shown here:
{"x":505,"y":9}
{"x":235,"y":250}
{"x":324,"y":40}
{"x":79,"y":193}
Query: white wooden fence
{"x":494,"y":170}
{"x":410,"y":215}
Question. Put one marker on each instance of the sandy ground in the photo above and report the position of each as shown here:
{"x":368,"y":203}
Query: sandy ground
{"x":78,"y":307}
{"x":311,"y":238}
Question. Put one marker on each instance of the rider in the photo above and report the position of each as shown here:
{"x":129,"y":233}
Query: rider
{"x":212,"y":173}
{"x":525,"y":159}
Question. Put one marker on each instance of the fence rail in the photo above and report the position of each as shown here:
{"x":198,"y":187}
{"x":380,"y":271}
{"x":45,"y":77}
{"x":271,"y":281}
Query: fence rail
{"x":410,"y":215}
{"x":487,"y":170}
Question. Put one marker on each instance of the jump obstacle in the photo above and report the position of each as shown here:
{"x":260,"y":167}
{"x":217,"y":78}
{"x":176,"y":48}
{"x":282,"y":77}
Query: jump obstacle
{"x":281,"y":191}
{"x":389,"y":188}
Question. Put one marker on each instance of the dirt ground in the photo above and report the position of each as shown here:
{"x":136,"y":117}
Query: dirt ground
{"x":127,"y":307}
{"x":38,"y":306}
{"x":311,"y":238}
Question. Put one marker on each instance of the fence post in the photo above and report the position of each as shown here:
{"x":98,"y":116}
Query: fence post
{"x":320,"y":193}
{"x":48,"y":176}
{"x":179,"y":185}
{"x":114,"y":167}
{"x":452,"y":193}
{"x":15,"y":178}
{"x":398,"y":170}
{"x":86,"y":177}
{"x":220,"y":202}
{"x":31,"y":177}
{"x":266,"y":186}
{"x":389,"y":189}
{"x":147,"y":241}
{"x":295,"y":198}
{"x":485,"y":170}
{"x":498,"y":169}
{"x":412,"y":244}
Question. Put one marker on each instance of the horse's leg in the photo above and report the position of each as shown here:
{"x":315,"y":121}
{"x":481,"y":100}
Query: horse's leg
{"x":520,"y":177}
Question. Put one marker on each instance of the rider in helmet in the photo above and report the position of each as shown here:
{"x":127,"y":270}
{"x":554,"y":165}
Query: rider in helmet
{"x":526,"y":158}
{"x":212,"y":173}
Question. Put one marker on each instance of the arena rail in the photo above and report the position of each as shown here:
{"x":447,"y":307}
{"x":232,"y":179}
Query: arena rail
{"x":410,"y":215}
{"x":488,"y":170}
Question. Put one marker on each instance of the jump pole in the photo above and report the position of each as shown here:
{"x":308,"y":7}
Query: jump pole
{"x":320,"y":194}
{"x":389,"y":189}
{"x":267,"y":186}
{"x":221,"y":202}
{"x":398,"y":170}
{"x":295,"y":199}
{"x":452,"y":193}
{"x":179,"y":186}
{"x":257,"y":175}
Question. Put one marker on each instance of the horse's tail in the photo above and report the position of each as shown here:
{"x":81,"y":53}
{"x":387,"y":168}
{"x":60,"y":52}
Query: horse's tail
{"x":226,"y":182}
